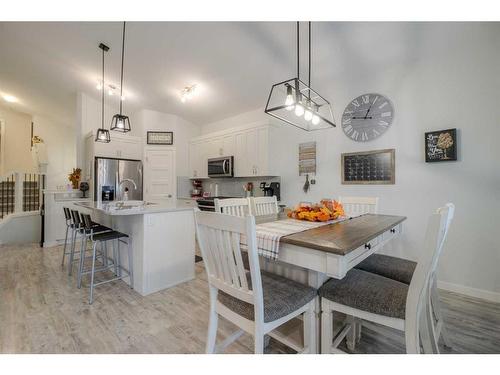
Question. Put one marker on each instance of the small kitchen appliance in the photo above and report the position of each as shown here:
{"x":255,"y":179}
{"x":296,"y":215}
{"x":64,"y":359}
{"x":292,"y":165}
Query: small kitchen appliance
{"x":221,"y":167}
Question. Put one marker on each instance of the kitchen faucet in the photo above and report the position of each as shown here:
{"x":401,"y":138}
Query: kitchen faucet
{"x":125,"y":191}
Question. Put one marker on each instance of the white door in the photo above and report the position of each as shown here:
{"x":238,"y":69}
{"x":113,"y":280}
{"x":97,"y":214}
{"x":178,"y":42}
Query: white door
{"x":159,"y":176}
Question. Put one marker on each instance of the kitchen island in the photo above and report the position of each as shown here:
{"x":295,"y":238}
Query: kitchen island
{"x":162,"y":239}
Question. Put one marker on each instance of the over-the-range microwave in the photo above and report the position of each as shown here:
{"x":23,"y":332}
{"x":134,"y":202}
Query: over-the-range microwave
{"x":221,"y":167}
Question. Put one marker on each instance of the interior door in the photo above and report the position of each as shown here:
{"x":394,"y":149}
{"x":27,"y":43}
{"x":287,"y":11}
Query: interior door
{"x":159,"y":176}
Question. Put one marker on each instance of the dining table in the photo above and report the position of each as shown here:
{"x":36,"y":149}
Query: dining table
{"x":328,"y":251}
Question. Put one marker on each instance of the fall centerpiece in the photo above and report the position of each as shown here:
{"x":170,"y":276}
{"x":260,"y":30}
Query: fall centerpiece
{"x":74,"y":177}
{"x":326,"y":210}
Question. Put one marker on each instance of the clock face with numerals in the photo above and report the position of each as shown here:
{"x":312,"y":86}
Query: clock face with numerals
{"x":367,"y":117}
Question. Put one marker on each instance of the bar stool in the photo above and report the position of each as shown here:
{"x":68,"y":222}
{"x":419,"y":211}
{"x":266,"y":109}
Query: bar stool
{"x":101,"y":238}
{"x":77,"y":226}
{"x":69,"y":226}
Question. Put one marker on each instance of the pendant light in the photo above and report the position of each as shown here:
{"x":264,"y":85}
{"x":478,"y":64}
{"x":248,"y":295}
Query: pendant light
{"x":102,"y":133}
{"x":296,"y":103}
{"x":120,"y":122}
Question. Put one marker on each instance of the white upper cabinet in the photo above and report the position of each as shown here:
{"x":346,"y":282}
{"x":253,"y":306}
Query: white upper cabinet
{"x":249,"y":145}
{"x":198,"y":156}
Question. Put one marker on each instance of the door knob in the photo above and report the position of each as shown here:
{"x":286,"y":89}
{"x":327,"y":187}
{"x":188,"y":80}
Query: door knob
{"x":169,"y":196}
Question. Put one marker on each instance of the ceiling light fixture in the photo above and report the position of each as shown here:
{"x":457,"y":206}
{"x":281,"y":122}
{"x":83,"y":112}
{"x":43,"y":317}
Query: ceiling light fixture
{"x":102,"y":134}
{"x":120,"y":122}
{"x":9,"y":98}
{"x":188,"y":93}
{"x":311,"y":111}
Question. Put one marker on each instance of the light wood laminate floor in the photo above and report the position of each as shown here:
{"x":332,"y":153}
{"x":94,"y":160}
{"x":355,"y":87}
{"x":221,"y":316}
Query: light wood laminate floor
{"x":42,"y":311}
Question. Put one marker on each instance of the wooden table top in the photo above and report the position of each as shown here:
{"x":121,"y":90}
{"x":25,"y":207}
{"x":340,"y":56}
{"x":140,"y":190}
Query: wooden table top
{"x":343,"y":237}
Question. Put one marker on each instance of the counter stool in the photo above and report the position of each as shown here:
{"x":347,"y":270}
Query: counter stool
{"x":77,"y":226}
{"x":101,"y":238}
{"x":69,"y":226}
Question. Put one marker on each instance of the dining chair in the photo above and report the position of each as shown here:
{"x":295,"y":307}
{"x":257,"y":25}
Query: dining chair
{"x":263,"y":206}
{"x":257,"y":302}
{"x":232,"y":206}
{"x":356,"y":206}
{"x":402,"y":270}
{"x":388,"y":302}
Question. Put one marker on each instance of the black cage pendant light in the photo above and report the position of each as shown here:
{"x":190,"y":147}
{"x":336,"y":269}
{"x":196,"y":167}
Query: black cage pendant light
{"x":103,"y":133}
{"x":296,"y":103}
{"x":120,"y":122}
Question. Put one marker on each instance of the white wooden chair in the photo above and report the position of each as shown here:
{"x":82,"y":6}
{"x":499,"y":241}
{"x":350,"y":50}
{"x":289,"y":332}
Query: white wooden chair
{"x":402,"y":270}
{"x":263,"y":206}
{"x":378,"y":299}
{"x":256,"y":302}
{"x":232,"y":206}
{"x":356,"y":206}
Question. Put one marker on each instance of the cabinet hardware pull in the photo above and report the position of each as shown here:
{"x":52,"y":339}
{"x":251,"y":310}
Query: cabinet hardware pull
{"x":368,"y":246}
{"x":393,"y":230}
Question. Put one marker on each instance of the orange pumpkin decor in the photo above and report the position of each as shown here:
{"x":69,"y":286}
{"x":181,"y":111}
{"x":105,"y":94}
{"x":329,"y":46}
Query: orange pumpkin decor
{"x":324,"y":211}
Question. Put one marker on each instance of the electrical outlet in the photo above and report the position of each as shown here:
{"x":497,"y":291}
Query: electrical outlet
{"x":313,"y":182}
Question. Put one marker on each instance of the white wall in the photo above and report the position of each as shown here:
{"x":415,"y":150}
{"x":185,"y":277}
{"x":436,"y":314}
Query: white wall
{"x":17,"y":142}
{"x":61,"y":151}
{"x":453,"y":82}
{"x":183,"y":131}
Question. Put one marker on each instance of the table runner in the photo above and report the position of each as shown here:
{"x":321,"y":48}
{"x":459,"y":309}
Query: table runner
{"x":270,"y":233}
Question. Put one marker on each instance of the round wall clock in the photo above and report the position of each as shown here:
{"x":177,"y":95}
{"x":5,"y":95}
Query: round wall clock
{"x":367,"y":117}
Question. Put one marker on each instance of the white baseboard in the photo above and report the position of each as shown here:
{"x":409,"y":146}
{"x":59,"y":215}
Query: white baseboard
{"x":471,"y":292}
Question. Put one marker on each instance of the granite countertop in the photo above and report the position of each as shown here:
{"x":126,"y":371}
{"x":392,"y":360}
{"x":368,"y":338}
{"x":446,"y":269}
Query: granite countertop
{"x":151,"y":208}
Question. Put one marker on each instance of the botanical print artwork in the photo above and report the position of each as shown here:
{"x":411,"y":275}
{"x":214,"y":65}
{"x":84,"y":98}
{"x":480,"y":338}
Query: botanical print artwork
{"x":441,"y":145}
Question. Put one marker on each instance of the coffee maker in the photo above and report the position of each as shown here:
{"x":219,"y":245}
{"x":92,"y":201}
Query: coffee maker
{"x":271,"y":189}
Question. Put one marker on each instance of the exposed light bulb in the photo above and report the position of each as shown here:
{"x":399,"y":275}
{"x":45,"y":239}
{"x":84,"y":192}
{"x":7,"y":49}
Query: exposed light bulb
{"x":102,"y":135}
{"x":308,"y":115}
{"x":119,"y":124}
{"x":110,"y":92}
{"x":299,"y":110}
{"x":9,"y":98}
{"x":183,"y":98}
{"x":316,"y":119}
{"x":289,"y":101}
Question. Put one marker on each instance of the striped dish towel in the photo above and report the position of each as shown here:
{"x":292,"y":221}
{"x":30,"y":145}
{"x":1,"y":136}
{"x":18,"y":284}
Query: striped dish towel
{"x":269,"y":234}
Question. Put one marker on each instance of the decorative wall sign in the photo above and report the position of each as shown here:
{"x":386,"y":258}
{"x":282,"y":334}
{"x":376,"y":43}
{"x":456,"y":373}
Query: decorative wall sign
{"x":307,"y":158}
{"x":370,"y":167}
{"x":441,"y":145}
{"x":160,"y":138}
{"x":367,"y":117}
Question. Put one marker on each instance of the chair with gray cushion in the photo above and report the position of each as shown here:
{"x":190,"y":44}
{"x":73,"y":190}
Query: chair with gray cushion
{"x":256,"y":302}
{"x":402,"y":270}
{"x":378,"y":299}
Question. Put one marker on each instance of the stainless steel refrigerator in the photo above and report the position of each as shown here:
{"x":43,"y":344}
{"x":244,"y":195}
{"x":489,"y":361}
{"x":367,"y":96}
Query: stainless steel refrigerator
{"x":114,"y":177}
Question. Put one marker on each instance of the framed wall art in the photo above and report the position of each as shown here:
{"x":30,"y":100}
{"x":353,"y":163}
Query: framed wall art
{"x":441,"y":145}
{"x":370,"y":167}
{"x":160,"y":138}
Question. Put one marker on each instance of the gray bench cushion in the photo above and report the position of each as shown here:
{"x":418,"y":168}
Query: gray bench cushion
{"x":368,"y":292}
{"x":394,"y":268}
{"x":282,"y":296}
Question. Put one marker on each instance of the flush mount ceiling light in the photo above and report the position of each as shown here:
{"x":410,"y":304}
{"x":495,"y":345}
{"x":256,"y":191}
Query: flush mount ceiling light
{"x":120,"y":122}
{"x":188,"y":93}
{"x":102,"y":134}
{"x":296,"y":103}
{"x":9,"y":98}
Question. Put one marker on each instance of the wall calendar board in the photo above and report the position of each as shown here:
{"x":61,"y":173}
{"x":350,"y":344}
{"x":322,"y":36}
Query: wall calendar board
{"x":370,"y":167}
{"x":441,"y":145}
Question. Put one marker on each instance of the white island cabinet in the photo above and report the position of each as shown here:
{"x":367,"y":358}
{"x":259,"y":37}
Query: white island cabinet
{"x":162,"y":240}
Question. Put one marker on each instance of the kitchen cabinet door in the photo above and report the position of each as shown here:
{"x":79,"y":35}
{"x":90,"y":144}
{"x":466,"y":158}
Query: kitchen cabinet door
{"x":262,"y":152}
{"x":228,"y":145}
{"x":240,"y":155}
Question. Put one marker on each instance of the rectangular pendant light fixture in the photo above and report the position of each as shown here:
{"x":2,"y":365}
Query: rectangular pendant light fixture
{"x":296,"y":103}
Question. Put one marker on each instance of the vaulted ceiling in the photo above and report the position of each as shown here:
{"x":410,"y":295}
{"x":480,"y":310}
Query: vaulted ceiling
{"x":46,"y":64}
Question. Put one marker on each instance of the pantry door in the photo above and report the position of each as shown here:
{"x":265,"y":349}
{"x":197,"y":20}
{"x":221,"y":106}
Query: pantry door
{"x":160,"y":184}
